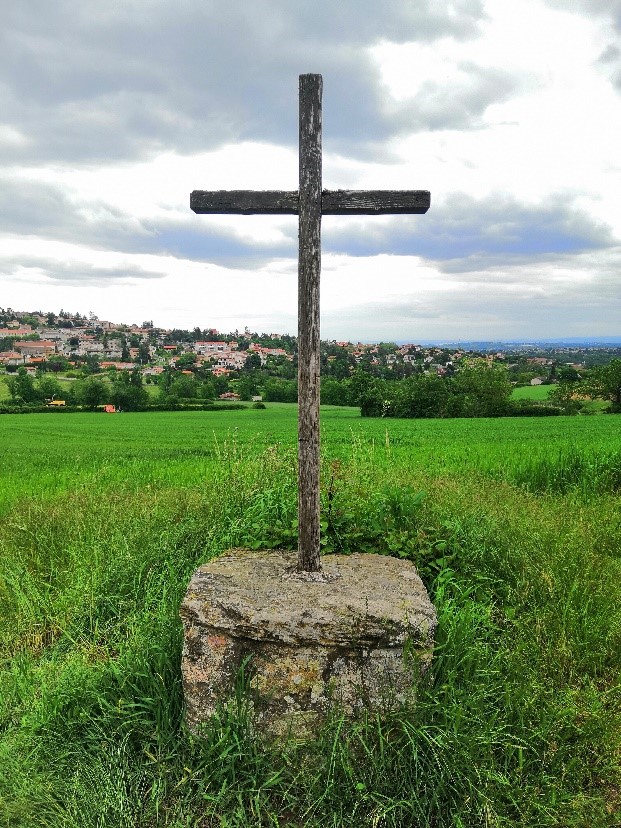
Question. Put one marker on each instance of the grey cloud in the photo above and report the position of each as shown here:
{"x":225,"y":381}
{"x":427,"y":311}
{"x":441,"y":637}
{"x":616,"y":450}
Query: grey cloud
{"x":32,"y":208}
{"x":611,"y":53}
{"x":460,"y":104}
{"x":28,"y":207}
{"x":44,"y":210}
{"x":438,"y":316}
{"x":526,"y":304}
{"x":74,"y":272}
{"x":465,"y":234}
{"x":610,"y":9}
{"x":88,"y":80}
{"x":218,"y":246}
{"x":605,"y":8}
{"x":610,"y":60}
{"x":460,"y":234}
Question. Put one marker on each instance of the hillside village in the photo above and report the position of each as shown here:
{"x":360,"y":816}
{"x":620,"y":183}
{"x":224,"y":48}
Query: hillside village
{"x":108,"y":344}
{"x":34,"y":339}
{"x":175,"y":364}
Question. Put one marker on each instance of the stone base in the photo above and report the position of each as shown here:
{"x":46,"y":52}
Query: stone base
{"x":358,"y":636}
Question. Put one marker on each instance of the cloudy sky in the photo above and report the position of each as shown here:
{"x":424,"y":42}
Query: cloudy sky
{"x":508,"y":111}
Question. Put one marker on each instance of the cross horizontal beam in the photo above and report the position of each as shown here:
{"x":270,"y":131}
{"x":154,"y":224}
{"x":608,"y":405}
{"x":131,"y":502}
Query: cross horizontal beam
{"x":333,"y":202}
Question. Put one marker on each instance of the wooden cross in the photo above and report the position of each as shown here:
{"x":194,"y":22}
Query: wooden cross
{"x":309,"y":202}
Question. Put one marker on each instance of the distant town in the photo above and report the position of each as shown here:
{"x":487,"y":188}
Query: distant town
{"x":189,"y":366}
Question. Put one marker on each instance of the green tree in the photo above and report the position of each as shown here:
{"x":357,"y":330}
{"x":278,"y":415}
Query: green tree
{"x":22,"y":388}
{"x":480,"y":390}
{"x":144,"y":354}
{"x":186,"y":360}
{"x":127,"y":391}
{"x":567,"y":374}
{"x":183,"y":387}
{"x":339,"y":369}
{"x":282,"y":367}
{"x":335,"y":392}
{"x":50,"y":389}
{"x":90,"y":364}
{"x":165,"y":380}
{"x":253,"y":360}
{"x":360,"y":385}
{"x":276,"y":390}
{"x":207,"y":389}
{"x":368,"y":392}
{"x":221,"y":385}
{"x":56,"y":363}
{"x":6,"y":343}
{"x":424,"y":396}
{"x":92,"y":392}
{"x":605,"y":382}
{"x":247,"y":387}
{"x":564,"y":396}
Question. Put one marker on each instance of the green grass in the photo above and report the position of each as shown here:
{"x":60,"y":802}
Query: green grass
{"x":532,"y":392}
{"x":518,"y":538}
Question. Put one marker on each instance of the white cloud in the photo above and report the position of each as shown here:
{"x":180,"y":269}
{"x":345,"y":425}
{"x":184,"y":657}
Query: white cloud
{"x":509,"y":113}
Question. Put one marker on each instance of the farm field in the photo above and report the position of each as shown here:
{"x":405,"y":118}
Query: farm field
{"x":518,"y":538}
{"x":532,"y":392}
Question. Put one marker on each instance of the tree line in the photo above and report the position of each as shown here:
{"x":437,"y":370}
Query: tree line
{"x":477,"y":389}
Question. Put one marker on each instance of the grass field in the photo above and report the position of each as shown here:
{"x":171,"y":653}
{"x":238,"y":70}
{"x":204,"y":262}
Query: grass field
{"x":518,"y":539}
{"x":532,"y":392}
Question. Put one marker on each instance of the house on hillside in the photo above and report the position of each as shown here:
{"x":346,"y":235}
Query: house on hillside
{"x":120,"y":366}
{"x":22,"y":330}
{"x":42,"y":348}
{"x":12,"y":358}
{"x":210,"y":347}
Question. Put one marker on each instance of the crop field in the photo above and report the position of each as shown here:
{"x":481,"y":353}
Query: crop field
{"x":532,"y":392}
{"x":514,"y":525}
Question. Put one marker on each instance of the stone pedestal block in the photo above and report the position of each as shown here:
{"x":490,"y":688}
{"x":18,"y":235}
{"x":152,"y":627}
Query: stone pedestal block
{"x":359,"y":634}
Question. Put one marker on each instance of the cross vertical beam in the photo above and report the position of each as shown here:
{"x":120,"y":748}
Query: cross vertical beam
{"x":309,"y":269}
{"x":309,"y":203}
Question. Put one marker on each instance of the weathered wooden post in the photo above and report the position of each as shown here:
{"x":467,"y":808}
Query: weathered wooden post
{"x":309,"y":269}
{"x":310,"y":202}
{"x":317,"y":635}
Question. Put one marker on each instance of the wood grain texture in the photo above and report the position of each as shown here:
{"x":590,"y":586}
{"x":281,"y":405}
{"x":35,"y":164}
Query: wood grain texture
{"x":333,"y":202}
{"x":244,"y":202}
{"x":374,"y":202}
{"x":309,"y":268}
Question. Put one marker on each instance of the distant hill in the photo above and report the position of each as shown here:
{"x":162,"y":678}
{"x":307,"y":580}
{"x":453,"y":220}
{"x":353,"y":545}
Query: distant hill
{"x":515,"y":344}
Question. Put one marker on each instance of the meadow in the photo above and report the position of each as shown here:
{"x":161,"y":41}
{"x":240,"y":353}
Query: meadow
{"x":536,"y":393}
{"x":514,"y":525}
